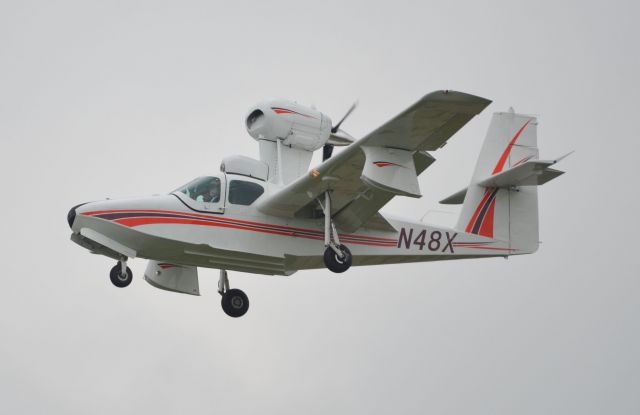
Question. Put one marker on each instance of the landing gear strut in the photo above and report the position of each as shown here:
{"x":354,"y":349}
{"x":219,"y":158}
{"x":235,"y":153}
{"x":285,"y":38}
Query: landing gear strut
{"x":235,"y":302}
{"x":121,"y":275}
{"x":337,"y":257}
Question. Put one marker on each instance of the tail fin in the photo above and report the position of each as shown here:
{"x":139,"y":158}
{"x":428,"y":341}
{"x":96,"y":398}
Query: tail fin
{"x":501,"y":201}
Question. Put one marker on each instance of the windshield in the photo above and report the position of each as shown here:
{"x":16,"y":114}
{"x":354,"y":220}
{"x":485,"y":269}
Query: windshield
{"x":202,"y":189}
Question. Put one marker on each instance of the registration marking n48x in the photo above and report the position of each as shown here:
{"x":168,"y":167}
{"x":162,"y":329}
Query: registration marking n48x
{"x":434,"y":243}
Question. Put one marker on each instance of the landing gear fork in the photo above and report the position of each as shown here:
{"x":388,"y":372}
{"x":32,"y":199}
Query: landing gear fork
{"x":235,"y":302}
{"x":337,"y":257}
{"x":121,"y":275}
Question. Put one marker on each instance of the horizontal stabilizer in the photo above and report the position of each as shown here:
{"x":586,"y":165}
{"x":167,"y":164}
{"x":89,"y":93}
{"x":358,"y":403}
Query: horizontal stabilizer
{"x":530,"y":173}
{"x":455,"y":199}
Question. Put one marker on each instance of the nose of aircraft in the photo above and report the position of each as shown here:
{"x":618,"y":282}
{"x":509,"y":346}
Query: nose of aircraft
{"x":71,"y":216}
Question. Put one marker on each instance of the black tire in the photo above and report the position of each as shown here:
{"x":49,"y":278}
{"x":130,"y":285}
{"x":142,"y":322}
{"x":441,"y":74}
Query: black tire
{"x":118,"y":279}
{"x":235,"y":303}
{"x":335,"y":263}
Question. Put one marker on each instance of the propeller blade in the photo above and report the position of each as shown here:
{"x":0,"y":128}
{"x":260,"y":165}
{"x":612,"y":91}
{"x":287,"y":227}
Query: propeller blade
{"x":335,"y":128}
{"x":338,"y":137}
{"x":327,"y":150}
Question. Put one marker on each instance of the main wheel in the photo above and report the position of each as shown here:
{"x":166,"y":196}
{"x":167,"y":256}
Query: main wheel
{"x":235,"y":303}
{"x":334,"y":262}
{"x":118,"y":279}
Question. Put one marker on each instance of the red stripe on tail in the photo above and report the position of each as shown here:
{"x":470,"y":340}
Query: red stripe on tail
{"x":507,"y":151}
{"x":486,"y":229}
{"x":478,"y":209}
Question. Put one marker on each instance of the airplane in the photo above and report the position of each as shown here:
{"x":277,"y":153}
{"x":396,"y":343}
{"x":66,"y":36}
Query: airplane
{"x":275,"y":216}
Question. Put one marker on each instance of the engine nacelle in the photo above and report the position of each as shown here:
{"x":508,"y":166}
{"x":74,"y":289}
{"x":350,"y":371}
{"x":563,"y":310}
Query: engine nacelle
{"x":297,"y":126}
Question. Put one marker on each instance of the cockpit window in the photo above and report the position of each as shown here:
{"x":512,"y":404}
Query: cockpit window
{"x":202,"y":189}
{"x":244,"y":193}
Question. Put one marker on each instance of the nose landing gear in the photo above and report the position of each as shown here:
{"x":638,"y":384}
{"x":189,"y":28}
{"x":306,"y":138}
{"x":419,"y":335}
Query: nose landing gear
{"x":121,"y":275}
{"x":235,"y":302}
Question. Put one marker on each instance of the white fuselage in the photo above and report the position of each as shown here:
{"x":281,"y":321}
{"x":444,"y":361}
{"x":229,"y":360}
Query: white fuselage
{"x":180,"y":230}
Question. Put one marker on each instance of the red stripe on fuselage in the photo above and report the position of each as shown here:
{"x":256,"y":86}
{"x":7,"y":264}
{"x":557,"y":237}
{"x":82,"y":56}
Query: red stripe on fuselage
{"x":238,"y":221}
{"x":219,"y":221}
{"x":139,"y":221}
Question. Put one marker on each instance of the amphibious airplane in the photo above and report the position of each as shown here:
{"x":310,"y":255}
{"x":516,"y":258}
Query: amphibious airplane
{"x":274,"y":216}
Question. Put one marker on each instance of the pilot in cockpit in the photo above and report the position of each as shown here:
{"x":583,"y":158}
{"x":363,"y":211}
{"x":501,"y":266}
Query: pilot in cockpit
{"x":212,"y":194}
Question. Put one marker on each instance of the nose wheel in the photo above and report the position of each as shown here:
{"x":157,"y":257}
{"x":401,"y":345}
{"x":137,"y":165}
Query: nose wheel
{"x":235,"y":302}
{"x":121,"y":275}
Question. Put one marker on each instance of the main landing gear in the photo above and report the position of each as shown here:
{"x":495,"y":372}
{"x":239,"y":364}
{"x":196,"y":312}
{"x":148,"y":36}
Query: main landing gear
{"x":121,"y":275}
{"x":235,"y":302}
{"x":337,"y":257}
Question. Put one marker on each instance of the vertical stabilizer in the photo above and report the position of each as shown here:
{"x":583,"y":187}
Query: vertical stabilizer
{"x":504,"y":213}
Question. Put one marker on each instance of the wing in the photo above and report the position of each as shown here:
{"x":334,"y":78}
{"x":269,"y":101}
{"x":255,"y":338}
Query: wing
{"x":360,"y":184}
{"x":429,"y":123}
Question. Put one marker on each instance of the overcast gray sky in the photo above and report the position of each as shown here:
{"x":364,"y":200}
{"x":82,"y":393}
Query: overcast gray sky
{"x":125,"y":98}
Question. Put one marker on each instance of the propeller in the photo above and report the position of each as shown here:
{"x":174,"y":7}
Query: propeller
{"x":336,"y":127}
{"x":338,"y":137}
